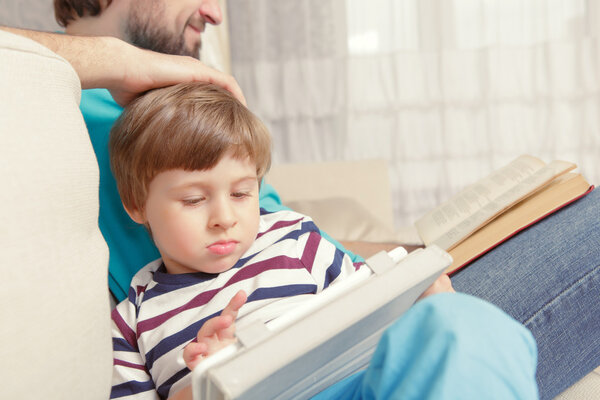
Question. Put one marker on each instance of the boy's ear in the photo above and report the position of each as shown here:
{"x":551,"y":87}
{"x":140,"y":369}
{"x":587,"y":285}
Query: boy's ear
{"x":136,"y":214}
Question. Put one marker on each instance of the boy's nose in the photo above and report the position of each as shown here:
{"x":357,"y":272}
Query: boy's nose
{"x":222,"y":215}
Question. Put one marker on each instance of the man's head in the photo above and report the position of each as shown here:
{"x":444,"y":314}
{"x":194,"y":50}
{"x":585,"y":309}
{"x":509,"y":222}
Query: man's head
{"x":165,"y":26}
{"x":188,"y":160}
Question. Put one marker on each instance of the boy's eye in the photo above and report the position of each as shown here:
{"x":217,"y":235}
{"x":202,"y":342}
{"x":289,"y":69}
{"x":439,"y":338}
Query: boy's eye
{"x":192,"y":201}
{"x":239,"y":195}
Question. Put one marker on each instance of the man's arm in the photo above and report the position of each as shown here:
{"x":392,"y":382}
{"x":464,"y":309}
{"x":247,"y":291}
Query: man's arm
{"x":125,"y":70}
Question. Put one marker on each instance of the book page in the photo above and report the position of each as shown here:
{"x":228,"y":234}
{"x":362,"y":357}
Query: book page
{"x":474,"y":206}
{"x":444,"y":217}
{"x":552,"y":197}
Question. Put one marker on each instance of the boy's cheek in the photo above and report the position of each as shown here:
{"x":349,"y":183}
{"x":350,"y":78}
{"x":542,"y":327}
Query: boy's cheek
{"x":176,"y":233}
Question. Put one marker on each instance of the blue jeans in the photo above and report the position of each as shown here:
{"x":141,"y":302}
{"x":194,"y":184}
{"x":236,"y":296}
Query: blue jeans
{"x":548,"y":278}
{"x":440,"y":349}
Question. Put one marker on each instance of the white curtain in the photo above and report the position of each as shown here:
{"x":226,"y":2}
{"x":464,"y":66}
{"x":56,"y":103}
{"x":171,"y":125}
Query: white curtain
{"x":445,"y":90}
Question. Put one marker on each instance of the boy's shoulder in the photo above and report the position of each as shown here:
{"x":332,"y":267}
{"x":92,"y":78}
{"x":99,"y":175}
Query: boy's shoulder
{"x":285,"y":214}
{"x":145,"y":275}
{"x":290,"y":218}
{"x":282,"y":226}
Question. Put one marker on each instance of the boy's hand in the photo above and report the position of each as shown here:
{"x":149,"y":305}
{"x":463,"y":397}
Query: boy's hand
{"x":216,"y":333}
{"x":442,"y":284}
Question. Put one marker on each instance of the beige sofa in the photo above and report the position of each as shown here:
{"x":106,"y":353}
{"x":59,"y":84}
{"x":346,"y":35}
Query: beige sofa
{"x":55,"y":330}
{"x":55,"y":339}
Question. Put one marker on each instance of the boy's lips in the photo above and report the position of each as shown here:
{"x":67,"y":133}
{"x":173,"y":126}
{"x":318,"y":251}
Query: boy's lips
{"x":222,"y":247}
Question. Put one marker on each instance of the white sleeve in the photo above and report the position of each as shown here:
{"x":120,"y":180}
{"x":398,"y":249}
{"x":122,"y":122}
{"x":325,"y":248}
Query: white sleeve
{"x":131,"y":379}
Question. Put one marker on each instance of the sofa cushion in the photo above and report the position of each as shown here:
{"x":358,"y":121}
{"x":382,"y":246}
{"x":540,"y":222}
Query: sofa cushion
{"x":55,"y":330}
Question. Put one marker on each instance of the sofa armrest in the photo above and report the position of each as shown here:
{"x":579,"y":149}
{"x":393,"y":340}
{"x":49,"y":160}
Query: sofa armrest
{"x":55,"y":335}
{"x":350,"y":200}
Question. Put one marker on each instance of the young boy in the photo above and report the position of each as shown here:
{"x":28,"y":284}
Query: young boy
{"x":188,"y":161}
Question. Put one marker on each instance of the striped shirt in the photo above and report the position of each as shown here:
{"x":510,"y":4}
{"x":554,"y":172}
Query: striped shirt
{"x":164,"y":312}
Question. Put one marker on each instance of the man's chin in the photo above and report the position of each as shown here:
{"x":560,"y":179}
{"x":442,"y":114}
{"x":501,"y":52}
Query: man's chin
{"x":195,"y":52}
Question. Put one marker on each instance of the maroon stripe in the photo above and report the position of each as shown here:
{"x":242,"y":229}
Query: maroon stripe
{"x":279,"y":225}
{"x":128,"y":364}
{"x":257,"y":268}
{"x":126,"y":331}
{"x":310,"y":250}
{"x":140,"y":289}
{"x":196,"y":302}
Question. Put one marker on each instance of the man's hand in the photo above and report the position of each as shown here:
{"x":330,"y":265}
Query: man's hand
{"x":216,"y":333}
{"x":125,"y":70}
{"x":143,"y":70}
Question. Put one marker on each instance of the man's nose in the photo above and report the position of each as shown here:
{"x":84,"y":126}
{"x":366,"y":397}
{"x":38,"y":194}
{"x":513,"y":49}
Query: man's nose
{"x":211,"y":11}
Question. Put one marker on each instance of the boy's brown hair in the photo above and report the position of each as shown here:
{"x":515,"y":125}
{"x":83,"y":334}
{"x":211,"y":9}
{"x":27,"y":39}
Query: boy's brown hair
{"x":189,"y":126}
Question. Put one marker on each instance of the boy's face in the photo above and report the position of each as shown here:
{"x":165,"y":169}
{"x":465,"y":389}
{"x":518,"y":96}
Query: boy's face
{"x":203,"y":220}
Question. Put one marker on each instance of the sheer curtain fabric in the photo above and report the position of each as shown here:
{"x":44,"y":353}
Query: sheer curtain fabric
{"x":445,"y":91}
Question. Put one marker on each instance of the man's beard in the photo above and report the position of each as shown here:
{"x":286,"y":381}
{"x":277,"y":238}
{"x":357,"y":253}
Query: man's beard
{"x":143,"y":30}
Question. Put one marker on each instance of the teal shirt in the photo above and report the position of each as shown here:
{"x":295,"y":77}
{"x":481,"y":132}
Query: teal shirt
{"x":129,"y":243}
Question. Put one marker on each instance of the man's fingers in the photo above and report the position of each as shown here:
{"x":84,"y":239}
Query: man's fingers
{"x":194,"y":70}
{"x":228,"y":83}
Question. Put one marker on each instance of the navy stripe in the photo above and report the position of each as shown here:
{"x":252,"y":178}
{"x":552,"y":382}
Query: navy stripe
{"x":170,"y":342}
{"x":265,"y":212}
{"x":334,"y":269}
{"x":120,"y":344}
{"x":163,"y":390}
{"x":281,"y":291}
{"x":132,"y":295}
{"x":167,"y":283}
{"x":160,"y":289}
{"x":131,"y":387}
{"x":307,"y":226}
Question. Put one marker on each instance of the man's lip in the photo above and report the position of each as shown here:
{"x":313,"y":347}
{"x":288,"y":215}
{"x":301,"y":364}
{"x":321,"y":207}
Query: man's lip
{"x":195,"y":28}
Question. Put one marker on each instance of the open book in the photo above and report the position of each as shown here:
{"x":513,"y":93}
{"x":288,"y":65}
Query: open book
{"x":499,"y":206}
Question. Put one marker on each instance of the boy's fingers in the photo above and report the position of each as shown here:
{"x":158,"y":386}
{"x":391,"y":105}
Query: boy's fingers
{"x":193,"y":354}
{"x":221,"y":326}
{"x":214,"y":326}
{"x":235,"y":304}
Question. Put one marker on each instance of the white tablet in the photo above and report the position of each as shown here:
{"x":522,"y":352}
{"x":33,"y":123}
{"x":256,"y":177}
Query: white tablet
{"x":324,"y":340}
